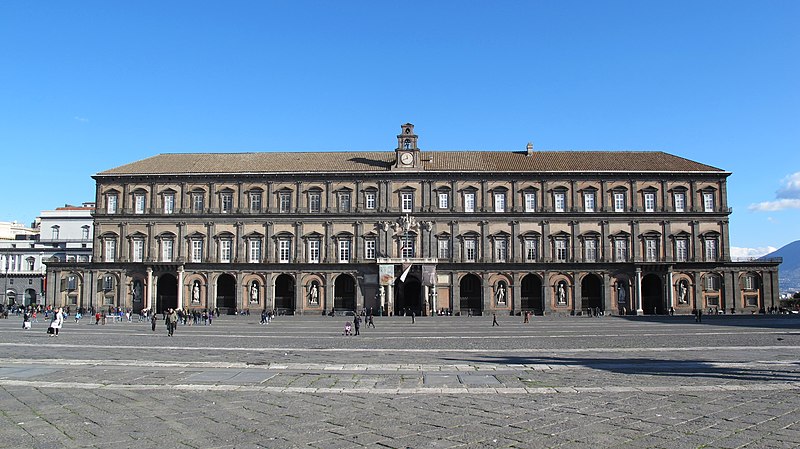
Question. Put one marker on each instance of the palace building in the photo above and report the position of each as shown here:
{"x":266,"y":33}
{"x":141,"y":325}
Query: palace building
{"x":550,"y":232}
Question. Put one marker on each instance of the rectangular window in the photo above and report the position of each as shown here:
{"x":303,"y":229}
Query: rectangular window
{"x":444,"y":200}
{"x":590,"y":246}
{"x":284,"y":250}
{"x":138,"y":203}
{"x":649,"y":202}
{"x":313,"y":251}
{"x":499,"y":202}
{"x":197,"y":251}
{"x":226,"y":202}
{"x":138,"y":250}
{"x":369,"y":200}
{"x":501,"y":250}
{"x":444,"y":248}
{"x":469,"y":202}
{"x":111,"y":250}
{"x":619,"y":202}
{"x":72,"y":283}
{"x":198,"y":202}
{"x":406,"y":201}
{"x":530,"y":202}
{"x":225,"y":250}
{"x":651,"y":250}
{"x":712,"y":282}
{"x":344,"y":202}
{"x":621,"y":250}
{"x":531,"y":250}
{"x":285,"y":202}
{"x":407,"y":250}
{"x":561,"y":250}
{"x":344,"y":251}
{"x":255,"y":201}
{"x":708,"y":202}
{"x":588,"y":202}
{"x":711,"y":250}
{"x":167,"y":248}
{"x":255,"y":251}
{"x":470,"y":250}
{"x":314,"y":202}
{"x":169,"y":203}
{"x":681,"y":250}
{"x":108,"y":283}
{"x":111,"y":203}
{"x":560,"y":201}
{"x":369,"y":249}
{"x":680,"y":202}
{"x":55,"y":231}
{"x":748,"y":283}
{"x":85,"y":233}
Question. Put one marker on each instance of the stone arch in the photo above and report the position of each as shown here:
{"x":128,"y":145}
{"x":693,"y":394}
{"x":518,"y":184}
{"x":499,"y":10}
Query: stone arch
{"x":532,"y":298}
{"x":471,"y":288}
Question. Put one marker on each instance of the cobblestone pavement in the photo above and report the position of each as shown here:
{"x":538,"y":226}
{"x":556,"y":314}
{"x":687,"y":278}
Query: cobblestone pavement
{"x":731,"y":381}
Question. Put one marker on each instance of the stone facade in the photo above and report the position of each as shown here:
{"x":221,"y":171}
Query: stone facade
{"x":466,"y":231}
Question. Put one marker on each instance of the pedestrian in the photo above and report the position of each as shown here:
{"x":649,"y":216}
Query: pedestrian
{"x":263,"y":316}
{"x":370,"y":323}
{"x":78,"y":316}
{"x":698,"y":317}
{"x":172,"y":322}
{"x":56,"y":323}
{"x":412,"y":317}
{"x":26,"y":320}
{"x":97,"y":318}
{"x":347,"y":328}
{"x":527,"y":318}
{"x":153,"y":319}
{"x":357,"y":324}
{"x":494,"y":320}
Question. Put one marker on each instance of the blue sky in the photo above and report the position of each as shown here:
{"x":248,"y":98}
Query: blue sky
{"x":87,"y":86}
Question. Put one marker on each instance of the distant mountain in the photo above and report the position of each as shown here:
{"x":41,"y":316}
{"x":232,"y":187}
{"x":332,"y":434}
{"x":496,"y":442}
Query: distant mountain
{"x":789,"y":275}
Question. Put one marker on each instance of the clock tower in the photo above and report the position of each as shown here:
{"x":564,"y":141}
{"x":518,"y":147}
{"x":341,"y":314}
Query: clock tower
{"x":407,"y":151}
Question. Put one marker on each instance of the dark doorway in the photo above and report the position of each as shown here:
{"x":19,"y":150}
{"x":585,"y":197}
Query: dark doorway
{"x":408,"y":297}
{"x":591,"y":294}
{"x":284,"y":294}
{"x":532,"y":300}
{"x":167,"y":293}
{"x":344,"y":293}
{"x":226,"y":294}
{"x":471,"y":300}
{"x":652,"y":295}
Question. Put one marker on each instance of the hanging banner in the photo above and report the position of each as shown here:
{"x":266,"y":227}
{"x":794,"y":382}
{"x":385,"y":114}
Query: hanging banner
{"x":429,"y":275}
{"x":386,"y":274}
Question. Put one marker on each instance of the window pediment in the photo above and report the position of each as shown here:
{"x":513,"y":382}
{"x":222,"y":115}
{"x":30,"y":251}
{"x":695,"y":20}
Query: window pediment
{"x":195,"y":235}
{"x":313,"y":236}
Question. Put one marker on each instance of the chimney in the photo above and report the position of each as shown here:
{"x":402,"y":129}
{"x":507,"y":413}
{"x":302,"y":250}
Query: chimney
{"x":529,"y":149}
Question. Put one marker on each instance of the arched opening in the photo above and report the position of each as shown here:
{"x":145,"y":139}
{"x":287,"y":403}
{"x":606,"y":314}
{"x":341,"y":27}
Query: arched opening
{"x":30,"y":297}
{"x":344,"y":293}
{"x":167,"y":293}
{"x":471,"y":300}
{"x":408,"y":297}
{"x":652,"y":295}
{"x":284,"y":294}
{"x":592,"y":294}
{"x":532,"y":299}
{"x":226,"y":294}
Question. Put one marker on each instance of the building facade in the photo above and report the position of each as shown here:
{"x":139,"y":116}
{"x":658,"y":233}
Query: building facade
{"x":61,"y":235}
{"x":553,"y":232}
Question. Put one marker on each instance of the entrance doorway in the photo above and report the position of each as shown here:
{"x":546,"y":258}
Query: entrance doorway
{"x":284,"y":295}
{"x":408,"y":297}
{"x":652,"y":295}
{"x":226,"y":294}
{"x":591,"y":294}
{"x":344,"y":293}
{"x":471,"y":300}
{"x":167,"y":289}
{"x":532,"y":300}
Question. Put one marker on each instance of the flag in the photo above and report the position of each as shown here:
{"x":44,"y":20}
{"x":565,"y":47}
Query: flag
{"x":405,"y":273}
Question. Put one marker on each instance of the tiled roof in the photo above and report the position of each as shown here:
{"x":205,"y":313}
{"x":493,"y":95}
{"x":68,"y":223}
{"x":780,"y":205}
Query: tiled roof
{"x":431,"y":161}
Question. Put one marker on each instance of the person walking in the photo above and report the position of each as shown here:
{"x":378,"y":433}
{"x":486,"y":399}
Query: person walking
{"x":357,"y":325}
{"x":153,"y":319}
{"x":413,"y":316}
{"x":172,"y":322}
{"x":494,"y":320}
{"x":57,"y":322}
{"x":370,"y":323}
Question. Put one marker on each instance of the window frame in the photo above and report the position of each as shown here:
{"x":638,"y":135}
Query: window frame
{"x":167,"y":250}
{"x":469,"y":202}
{"x":254,"y":250}
{"x":196,"y":252}
{"x":406,"y":201}
{"x":529,"y":199}
{"x":559,"y":201}
{"x":314,"y":250}
{"x":589,"y":201}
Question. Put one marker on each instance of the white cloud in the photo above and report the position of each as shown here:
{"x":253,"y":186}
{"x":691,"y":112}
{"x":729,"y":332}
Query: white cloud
{"x":791,"y":187}
{"x":770,"y":206}
{"x":81,"y":119}
{"x":750,"y":253}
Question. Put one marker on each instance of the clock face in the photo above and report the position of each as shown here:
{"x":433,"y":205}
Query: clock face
{"x":406,"y":158}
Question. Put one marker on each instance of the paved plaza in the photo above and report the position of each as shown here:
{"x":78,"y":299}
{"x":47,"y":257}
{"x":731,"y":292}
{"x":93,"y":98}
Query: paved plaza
{"x":728,"y":382}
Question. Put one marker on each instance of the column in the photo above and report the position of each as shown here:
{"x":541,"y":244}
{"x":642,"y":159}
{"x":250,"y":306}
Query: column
{"x":577,"y":293}
{"x":181,"y":288}
{"x":730,"y":294}
{"x":636,"y":243}
{"x":483,"y":195}
{"x":514,"y":251}
{"x":670,"y":290}
{"x":516,"y":294}
{"x":456,"y":289}
{"x":639,"y":310}
{"x":426,"y":295}
{"x":607,"y":294}
{"x":149,"y":297}
{"x":547,"y":293}
{"x":269,"y":292}
{"x":634,"y":197}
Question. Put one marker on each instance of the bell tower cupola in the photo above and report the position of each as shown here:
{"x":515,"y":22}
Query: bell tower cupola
{"x":407,"y":150}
